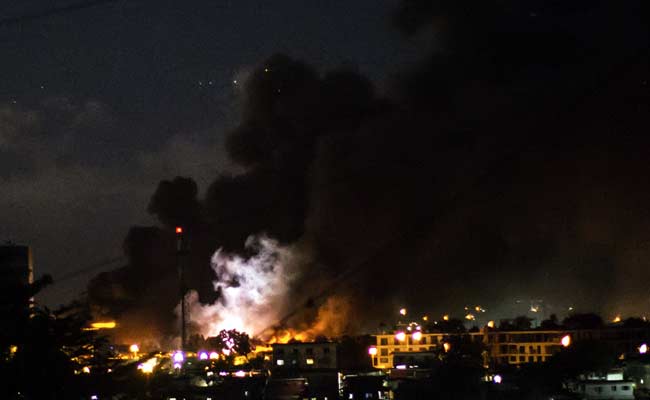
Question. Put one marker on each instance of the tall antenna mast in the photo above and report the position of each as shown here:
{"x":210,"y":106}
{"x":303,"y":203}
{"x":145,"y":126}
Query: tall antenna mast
{"x":182,"y":249}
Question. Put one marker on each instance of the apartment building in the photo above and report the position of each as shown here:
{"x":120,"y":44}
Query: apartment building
{"x":503,"y":347}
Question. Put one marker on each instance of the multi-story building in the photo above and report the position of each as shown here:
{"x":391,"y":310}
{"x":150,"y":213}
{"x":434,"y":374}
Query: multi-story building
{"x":316,"y":363}
{"x":305,"y":356}
{"x":503,"y":347}
{"x":521,"y":347}
{"x":389,"y":344}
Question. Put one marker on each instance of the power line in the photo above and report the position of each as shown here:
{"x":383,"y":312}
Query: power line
{"x":89,"y":268}
{"x":29,"y":17}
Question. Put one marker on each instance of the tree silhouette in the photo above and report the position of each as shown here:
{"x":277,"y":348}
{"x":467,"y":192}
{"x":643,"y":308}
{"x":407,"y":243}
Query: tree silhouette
{"x":43,"y":346}
{"x":550,"y":323}
{"x":230,"y":342}
{"x":583,"y":321}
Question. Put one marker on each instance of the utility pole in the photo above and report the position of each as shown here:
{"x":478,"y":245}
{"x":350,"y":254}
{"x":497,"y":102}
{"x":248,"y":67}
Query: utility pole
{"x":182,"y":249}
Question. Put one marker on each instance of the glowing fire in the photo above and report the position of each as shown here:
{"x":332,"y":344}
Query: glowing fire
{"x":253,"y":291}
{"x":286,"y":335}
{"x":255,"y":296}
{"x":331,"y":320}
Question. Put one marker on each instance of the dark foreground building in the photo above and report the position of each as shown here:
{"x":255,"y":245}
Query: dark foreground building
{"x":16,"y":265}
{"x":311,"y":368}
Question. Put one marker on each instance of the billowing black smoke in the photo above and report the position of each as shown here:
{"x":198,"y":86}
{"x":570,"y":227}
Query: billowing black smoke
{"x":507,"y":165}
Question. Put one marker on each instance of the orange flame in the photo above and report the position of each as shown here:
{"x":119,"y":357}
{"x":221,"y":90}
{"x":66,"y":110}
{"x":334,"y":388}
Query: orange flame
{"x":330,"y":321}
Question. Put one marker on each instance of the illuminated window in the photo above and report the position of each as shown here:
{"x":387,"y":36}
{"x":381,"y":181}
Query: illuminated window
{"x":310,"y":361}
{"x":280,"y":362}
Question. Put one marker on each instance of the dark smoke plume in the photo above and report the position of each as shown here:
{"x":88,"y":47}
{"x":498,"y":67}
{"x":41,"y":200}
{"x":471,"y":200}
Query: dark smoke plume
{"x":508,"y":164}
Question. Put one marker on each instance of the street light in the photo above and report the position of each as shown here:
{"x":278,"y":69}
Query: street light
{"x":566,"y":340}
{"x":134,"y":348}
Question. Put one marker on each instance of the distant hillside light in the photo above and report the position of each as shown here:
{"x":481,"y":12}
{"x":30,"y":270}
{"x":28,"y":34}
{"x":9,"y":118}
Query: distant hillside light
{"x":179,"y":230}
{"x":402,"y":311}
{"x":643,"y":348}
{"x":566,"y":340}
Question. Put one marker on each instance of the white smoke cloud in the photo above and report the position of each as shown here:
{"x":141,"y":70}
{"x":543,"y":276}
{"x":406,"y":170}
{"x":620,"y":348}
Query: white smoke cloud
{"x":254,"y":291}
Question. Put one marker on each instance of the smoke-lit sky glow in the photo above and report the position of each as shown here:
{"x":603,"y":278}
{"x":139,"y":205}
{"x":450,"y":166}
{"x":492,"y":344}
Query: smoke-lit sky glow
{"x":432,"y":154}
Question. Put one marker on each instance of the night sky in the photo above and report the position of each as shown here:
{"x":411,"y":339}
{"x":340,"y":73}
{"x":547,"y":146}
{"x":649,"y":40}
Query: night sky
{"x":437,"y":153}
{"x":98,"y":105}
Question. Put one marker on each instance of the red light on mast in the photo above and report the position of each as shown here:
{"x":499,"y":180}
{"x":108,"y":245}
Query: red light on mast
{"x":179,"y":230}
